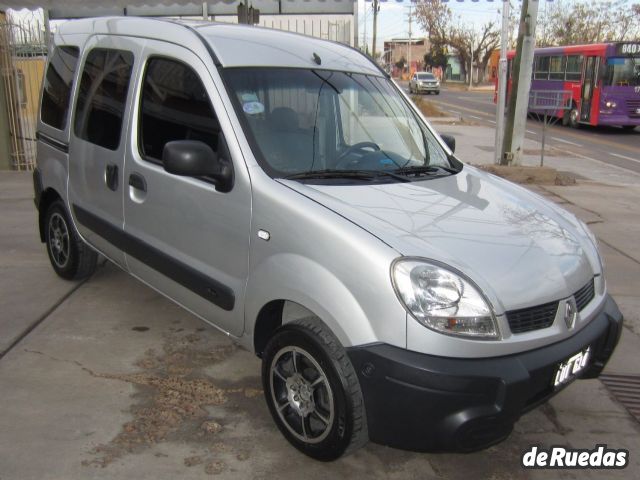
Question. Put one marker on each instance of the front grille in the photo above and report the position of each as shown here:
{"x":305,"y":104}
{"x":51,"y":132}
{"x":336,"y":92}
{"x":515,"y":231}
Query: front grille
{"x":585,"y":295}
{"x":632,"y":107}
{"x":532,"y":318}
{"x":542,"y":316}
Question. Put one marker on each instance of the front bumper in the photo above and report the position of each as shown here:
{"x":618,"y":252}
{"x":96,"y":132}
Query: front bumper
{"x":427,"y":88}
{"x":421,"y":402}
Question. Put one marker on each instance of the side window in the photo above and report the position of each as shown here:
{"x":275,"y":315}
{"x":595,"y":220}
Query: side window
{"x":574,"y":67}
{"x":102,"y":97}
{"x":174,"y":106}
{"x":556,"y":68}
{"x":57,"y":86}
{"x":541,"y":68}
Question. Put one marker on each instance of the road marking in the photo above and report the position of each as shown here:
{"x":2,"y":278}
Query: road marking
{"x":455,"y":111}
{"x":625,"y":157}
{"x":473,"y":116}
{"x":532,"y":132}
{"x":467,"y":99}
{"x":492,"y":121}
{"x":566,"y":141}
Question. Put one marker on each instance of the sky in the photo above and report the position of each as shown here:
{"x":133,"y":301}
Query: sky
{"x":392,"y":18}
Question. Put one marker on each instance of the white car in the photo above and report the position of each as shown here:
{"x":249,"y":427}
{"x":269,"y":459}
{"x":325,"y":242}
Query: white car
{"x":424,"y":82}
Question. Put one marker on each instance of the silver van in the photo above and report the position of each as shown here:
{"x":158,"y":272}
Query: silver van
{"x":287,"y":192}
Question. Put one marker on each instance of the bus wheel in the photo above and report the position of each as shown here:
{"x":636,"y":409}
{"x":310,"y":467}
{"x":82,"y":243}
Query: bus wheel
{"x":572,"y":118}
{"x":628,"y":128}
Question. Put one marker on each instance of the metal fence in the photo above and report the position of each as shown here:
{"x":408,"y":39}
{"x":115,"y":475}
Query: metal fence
{"x":549,"y":106}
{"x":23,"y":50}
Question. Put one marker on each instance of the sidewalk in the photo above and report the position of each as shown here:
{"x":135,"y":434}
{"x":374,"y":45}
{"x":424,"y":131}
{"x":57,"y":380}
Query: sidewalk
{"x":113,"y":381}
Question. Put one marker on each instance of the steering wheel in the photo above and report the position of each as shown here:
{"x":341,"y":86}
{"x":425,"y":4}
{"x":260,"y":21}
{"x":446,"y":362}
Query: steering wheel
{"x":343,"y":160}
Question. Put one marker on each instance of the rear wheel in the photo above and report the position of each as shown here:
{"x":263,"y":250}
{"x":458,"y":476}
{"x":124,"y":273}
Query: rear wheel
{"x":312,"y":391}
{"x":70,"y":257}
{"x":628,"y":127}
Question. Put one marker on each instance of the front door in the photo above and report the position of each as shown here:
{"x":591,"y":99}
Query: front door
{"x":186,"y":239}
{"x":588,"y":86}
{"x":97,"y":141}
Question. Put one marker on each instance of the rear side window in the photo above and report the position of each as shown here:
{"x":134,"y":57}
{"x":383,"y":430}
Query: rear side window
{"x":102,"y":96}
{"x":57,"y":86}
{"x":174,"y":106}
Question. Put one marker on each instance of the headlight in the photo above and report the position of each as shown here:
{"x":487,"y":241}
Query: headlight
{"x":610,"y":104}
{"x":443,"y":300}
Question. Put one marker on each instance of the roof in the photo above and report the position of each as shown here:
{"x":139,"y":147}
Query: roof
{"x":233,"y":45}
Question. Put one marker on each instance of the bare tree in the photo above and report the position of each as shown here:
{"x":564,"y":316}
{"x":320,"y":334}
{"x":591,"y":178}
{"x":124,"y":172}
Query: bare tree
{"x":445,"y":30}
{"x":588,"y":22}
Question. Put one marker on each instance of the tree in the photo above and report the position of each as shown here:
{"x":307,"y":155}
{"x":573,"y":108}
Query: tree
{"x":588,"y":22}
{"x":444,"y":30}
{"x":436,"y":56}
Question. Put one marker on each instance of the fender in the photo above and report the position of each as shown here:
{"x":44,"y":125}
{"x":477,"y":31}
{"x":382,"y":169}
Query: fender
{"x":314,"y":287}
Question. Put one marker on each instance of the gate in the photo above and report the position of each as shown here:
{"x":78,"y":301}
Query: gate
{"x":23,"y":51}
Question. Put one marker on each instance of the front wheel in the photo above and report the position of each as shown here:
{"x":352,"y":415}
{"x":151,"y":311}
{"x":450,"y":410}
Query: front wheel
{"x":572,"y":118}
{"x":70,"y":257}
{"x":312,"y":391}
{"x":628,"y":128}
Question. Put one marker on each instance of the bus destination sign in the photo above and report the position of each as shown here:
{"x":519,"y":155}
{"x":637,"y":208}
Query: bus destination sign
{"x":628,"y":48}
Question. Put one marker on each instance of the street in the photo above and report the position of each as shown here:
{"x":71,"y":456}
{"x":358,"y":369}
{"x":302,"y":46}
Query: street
{"x":610,"y":145}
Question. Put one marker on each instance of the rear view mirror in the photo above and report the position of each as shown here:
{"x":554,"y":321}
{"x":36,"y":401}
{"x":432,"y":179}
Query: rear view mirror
{"x":193,"y":158}
{"x":450,"y":141}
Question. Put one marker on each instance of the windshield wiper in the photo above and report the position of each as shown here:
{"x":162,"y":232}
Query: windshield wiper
{"x":425,"y":169}
{"x":356,"y":174}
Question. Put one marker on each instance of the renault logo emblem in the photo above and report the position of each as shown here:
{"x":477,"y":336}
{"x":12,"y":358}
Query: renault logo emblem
{"x":570,"y":313}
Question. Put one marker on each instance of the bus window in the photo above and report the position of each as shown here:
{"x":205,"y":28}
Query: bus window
{"x":541,"y":71}
{"x":574,"y":67}
{"x":556,"y":68}
{"x":622,"y":71}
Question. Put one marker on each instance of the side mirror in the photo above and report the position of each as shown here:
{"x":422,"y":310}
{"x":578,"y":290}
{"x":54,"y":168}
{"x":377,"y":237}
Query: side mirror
{"x":193,"y":158}
{"x":450,"y":141}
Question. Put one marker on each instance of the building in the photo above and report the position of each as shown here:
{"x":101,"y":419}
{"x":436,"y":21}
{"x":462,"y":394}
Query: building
{"x":398,"y":48}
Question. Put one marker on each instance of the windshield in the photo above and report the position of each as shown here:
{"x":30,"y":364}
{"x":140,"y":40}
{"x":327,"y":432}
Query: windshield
{"x":316,"y":120}
{"x":623,"y":71}
{"x":426,"y":76}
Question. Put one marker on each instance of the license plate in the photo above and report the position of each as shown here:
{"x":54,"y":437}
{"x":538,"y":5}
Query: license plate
{"x":568,"y":370}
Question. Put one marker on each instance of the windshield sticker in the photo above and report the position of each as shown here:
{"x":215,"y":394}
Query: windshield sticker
{"x":253,"y":108}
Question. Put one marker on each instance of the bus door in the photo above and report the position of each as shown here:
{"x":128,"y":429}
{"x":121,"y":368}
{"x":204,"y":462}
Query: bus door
{"x":589,"y":83}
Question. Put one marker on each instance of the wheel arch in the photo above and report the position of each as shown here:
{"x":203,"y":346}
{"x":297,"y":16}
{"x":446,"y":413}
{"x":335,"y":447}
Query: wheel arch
{"x":48,"y":197}
{"x":317,"y":292}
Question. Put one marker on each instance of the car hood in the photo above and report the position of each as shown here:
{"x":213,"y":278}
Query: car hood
{"x":520,"y":249}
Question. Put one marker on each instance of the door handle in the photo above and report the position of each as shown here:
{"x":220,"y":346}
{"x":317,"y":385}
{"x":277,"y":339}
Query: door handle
{"x":111,"y":177}
{"x":137,"y":181}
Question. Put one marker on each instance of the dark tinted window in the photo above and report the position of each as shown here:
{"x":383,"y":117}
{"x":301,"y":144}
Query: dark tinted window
{"x":102,"y":97}
{"x":541,"y":70}
{"x":574,"y":67}
{"x":556,"y":68}
{"x":174,"y":106}
{"x":57,"y":86}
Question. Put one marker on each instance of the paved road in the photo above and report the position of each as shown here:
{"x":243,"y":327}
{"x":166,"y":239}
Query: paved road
{"x":607,"y":144}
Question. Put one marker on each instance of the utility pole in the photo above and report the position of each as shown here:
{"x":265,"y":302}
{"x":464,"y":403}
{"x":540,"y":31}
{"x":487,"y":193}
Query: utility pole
{"x":471,"y":65}
{"x":364,"y":43}
{"x":521,"y":85}
{"x":502,"y":83}
{"x":409,"y":48}
{"x":376,"y":7}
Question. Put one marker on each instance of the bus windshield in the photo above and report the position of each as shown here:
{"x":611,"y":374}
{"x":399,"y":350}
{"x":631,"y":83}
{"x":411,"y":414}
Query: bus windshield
{"x":622,"y":72}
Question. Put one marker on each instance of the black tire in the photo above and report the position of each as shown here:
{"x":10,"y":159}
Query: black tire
{"x":336,"y":399}
{"x":70,"y":257}
{"x":628,"y":128}
{"x":572,"y":118}
{"x":437,"y":92}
